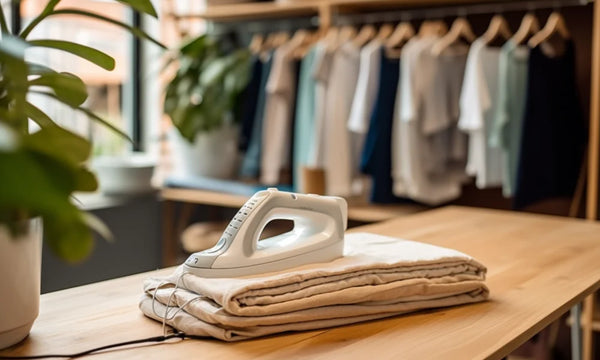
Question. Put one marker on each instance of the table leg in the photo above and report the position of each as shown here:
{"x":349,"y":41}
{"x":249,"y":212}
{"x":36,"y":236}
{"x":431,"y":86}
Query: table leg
{"x":169,"y":238}
{"x":587,"y":328}
{"x":576,"y":332}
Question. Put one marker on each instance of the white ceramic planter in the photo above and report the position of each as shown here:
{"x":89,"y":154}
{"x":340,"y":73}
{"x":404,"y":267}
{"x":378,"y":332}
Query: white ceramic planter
{"x":127,"y":175}
{"x":213,"y":154}
{"x":20,"y":273}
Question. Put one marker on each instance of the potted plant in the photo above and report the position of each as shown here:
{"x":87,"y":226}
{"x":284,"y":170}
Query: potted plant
{"x":41,"y":170}
{"x":200,"y":99}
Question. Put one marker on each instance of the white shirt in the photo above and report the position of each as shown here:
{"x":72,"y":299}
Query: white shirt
{"x":341,"y":162}
{"x":366,"y":87}
{"x":321,"y":74}
{"x":477,"y":112}
{"x":276,"y":136}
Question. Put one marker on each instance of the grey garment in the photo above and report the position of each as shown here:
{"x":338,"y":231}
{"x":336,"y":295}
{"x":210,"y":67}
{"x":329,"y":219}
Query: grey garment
{"x":428,"y":152}
{"x":508,"y":121}
{"x":279,"y":115}
{"x":251,"y":162}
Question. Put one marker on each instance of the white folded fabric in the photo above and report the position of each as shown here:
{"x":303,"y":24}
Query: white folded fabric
{"x":377,"y":277}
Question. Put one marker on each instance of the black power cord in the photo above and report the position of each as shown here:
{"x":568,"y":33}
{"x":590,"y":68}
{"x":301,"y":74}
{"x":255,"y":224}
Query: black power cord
{"x":157,"y":339}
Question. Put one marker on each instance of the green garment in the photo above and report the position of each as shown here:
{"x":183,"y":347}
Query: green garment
{"x":508,"y":120}
{"x":305,"y":116}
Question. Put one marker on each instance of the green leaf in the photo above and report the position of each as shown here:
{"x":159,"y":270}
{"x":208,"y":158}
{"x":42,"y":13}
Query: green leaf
{"x":61,"y":144}
{"x":3,"y":23}
{"x":38,"y":116}
{"x":50,"y":5}
{"x":95,"y":56}
{"x":35,"y":184}
{"x":73,"y":245}
{"x":67,"y":87}
{"x":144,"y":6}
{"x":25,"y":185}
{"x":85,"y":180}
{"x":195,"y":46}
{"x":134,"y":31}
{"x":14,"y":82}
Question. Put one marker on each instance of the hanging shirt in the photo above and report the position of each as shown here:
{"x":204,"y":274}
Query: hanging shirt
{"x":426,"y":146}
{"x":366,"y":87}
{"x":251,"y":161}
{"x":553,"y":136}
{"x":305,"y":116}
{"x":321,"y":74}
{"x":477,"y":110}
{"x":336,"y":74}
{"x":341,"y":159}
{"x":277,"y":122}
{"x":508,"y":120}
{"x":248,"y":103}
{"x":376,"y":156}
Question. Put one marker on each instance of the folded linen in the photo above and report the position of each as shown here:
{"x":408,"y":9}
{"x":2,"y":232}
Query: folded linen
{"x":377,"y":277}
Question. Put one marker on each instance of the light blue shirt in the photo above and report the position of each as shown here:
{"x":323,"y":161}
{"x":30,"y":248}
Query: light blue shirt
{"x":305,"y":117}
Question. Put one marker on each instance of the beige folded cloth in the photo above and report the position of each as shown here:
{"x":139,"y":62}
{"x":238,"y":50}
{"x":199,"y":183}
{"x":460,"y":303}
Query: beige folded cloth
{"x":377,"y":277}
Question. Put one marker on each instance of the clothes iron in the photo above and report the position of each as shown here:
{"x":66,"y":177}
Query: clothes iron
{"x":317,"y":236}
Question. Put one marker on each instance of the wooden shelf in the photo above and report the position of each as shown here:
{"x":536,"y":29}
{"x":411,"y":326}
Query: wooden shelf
{"x":357,"y":210}
{"x":203,"y":197}
{"x":247,"y":11}
{"x":322,"y":8}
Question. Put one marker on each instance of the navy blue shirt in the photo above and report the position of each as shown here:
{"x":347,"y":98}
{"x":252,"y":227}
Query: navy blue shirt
{"x":251,"y":162}
{"x":553,"y":130}
{"x":248,"y":102}
{"x":376,"y":157}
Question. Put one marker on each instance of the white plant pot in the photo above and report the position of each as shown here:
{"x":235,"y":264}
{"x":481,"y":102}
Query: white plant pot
{"x":20,"y":269}
{"x":125,"y":175}
{"x":213,"y":154}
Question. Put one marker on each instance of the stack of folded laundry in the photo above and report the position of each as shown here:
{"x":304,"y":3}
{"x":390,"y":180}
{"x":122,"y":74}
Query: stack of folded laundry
{"x":377,"y":277}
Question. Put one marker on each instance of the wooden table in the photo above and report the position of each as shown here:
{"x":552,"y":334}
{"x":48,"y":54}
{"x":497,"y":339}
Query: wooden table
{"x":538,"y":268}
{"x":358,"y":210}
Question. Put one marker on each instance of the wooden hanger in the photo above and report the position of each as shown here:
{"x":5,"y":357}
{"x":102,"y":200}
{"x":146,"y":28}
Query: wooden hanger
{"x":301,"y":42}
{"x":366,"y":33}
{"x":330,"y":39}
{"x":498,"y":28}
{"x":299,"y":37}
{"x":432,"y":28}
{"x":385,"y":31}
{"x":281,"y":38}
{"x":403,"y":32}
{"x":256,"y":43}
{"x":268,"y":43}
{"x":555,"y":25}
{"x":460,"y":29}
{"x":529,"y":26}
{"x":347,"y":33}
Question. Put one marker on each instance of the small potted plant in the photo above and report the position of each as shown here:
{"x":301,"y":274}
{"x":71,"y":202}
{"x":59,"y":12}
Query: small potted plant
{"x":200,"y":99}
{"x":41,"y":170}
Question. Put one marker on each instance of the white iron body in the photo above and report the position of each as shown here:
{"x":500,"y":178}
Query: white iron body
{"x":317,"y":236}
